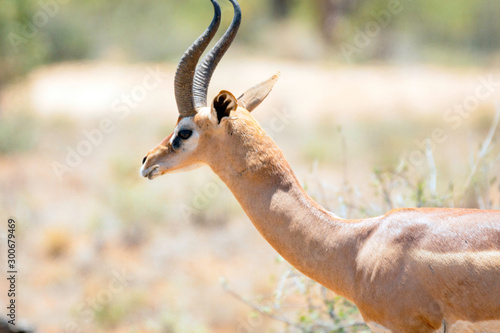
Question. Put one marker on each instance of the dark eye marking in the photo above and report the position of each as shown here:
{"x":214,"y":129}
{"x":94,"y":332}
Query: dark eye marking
{"x":176,"y":144}
{"x":184,"y":134}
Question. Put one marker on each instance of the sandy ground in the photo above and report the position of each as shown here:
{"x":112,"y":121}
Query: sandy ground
{"x":90,"y":89}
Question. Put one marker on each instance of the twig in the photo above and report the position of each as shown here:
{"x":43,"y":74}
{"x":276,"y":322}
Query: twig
{"x":432,"y":167}
{"x":355,"y":324}
{"x":278,"y":295}
{"x":321,"y":325}
{"x":260,"y":310}
{"x":479,"y":198}
{"x":327,"y":302}
{"x":385,"y":191}
{"x":484,"y":148}
{"x":345,"y":168}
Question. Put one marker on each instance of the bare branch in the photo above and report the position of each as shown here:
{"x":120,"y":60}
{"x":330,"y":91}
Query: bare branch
{"x":485,"y":147}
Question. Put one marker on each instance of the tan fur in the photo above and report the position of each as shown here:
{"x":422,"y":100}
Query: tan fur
{"x":407,"y":271}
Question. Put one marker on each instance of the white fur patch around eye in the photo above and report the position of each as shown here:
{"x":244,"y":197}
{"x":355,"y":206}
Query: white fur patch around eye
{"x":190,"y":143}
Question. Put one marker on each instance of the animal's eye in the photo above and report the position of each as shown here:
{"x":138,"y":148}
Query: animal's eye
{"x":185,"y":134}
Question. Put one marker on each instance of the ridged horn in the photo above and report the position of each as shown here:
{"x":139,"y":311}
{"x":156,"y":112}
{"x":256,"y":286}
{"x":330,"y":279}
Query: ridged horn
{"x":207,"y":67}
{"x":187,"y":66}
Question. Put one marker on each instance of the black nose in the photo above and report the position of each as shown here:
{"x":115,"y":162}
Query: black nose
{"x":144,"y":159}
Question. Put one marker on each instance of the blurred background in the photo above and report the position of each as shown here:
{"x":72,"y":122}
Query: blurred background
{"x":381,"y":104}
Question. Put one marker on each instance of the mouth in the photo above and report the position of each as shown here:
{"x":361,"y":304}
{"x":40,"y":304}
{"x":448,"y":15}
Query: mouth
{"x":151,"y":172}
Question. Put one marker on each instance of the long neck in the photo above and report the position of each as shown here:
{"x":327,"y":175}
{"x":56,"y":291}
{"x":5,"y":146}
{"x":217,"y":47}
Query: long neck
{"x":318,"y":244}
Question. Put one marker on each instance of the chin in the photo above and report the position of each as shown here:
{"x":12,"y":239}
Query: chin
{"x":185,"y":168}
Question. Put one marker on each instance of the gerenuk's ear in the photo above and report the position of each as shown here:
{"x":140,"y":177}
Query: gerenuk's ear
{"x":223,"y":104}
{"x":254,"y":96}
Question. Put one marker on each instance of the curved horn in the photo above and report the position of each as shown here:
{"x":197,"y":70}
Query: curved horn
{"x":207,"y":67}
{"x":186,"y":68}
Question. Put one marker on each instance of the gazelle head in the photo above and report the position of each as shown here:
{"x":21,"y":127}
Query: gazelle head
{"x":202,"y":130}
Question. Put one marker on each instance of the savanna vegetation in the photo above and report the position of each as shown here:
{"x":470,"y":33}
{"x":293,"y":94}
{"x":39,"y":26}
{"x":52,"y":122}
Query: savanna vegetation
{"x":365,"y":86}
